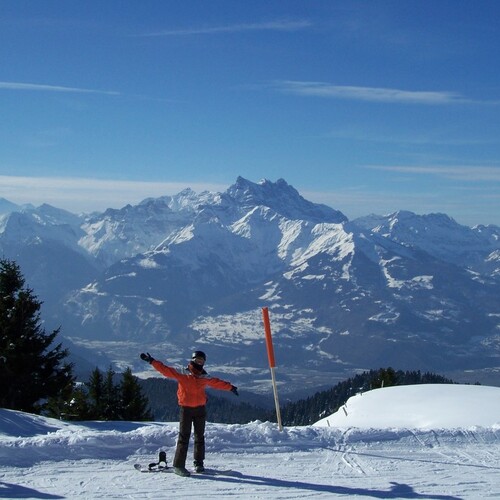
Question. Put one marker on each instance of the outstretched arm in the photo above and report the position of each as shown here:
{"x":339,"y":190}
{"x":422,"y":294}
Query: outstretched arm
{"x":217,"y":383}
{"x":165,"y":370}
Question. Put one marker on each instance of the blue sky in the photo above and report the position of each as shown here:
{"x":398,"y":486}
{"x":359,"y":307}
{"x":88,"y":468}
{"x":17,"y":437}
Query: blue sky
{"x":367,"y":106}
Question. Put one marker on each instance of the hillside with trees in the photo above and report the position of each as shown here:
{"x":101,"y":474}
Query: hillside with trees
{"x":107,"y":396}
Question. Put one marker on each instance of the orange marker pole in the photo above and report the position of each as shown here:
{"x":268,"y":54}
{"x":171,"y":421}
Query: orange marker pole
{"x":272,"y":361}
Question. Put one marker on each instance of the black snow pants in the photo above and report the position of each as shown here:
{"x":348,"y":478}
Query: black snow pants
{"x":195,"y":417}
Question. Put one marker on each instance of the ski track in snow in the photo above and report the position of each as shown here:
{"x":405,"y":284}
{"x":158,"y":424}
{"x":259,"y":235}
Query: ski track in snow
{"x":300,"y":462}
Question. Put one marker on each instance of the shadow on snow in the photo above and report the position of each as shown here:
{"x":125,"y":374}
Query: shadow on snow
{"x":9,"y":490}
{"x":397,"y":490}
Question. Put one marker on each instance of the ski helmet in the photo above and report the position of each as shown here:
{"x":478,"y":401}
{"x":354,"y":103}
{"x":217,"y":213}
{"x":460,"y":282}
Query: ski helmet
{"x":199,"y":354}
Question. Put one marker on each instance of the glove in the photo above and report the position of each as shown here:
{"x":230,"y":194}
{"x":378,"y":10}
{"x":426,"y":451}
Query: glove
{"x":234,"y":390}
{"x":147,"y":357}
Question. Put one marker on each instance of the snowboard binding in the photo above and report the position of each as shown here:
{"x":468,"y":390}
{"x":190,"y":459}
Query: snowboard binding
{"x":161,"y":464}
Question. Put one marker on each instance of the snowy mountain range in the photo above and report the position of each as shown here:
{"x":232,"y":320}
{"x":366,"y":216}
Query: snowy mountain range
{"x":194,"y":270}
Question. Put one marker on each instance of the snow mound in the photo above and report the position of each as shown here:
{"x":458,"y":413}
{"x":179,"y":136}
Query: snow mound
{"x":428,"y":406}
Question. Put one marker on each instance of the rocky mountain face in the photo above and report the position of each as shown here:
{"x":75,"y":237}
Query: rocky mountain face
{"x":194,"y":270}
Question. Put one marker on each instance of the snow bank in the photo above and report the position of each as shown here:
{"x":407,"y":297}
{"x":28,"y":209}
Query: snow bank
{"x":427,"y":406}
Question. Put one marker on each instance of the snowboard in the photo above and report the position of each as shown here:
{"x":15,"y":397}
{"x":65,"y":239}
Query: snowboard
{"x":145,"y":468}
{"x":152,"y":468}
{"x":161,"y":466}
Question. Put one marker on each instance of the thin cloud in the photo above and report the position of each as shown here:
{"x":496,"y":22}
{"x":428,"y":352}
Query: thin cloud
{"x":36,"y":87}
{"x":372,"y":94}
{"x":90,"y":194}
{"x":52,"y":88}
{"x":479,"y":208}
{"x":361,"y":200}
{"x":283,"y":25}
{"x":400,"y":137}
{"x":463,"y":173}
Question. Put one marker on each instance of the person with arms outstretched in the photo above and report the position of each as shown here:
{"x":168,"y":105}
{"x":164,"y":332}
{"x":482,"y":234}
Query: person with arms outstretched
{"x":192,"y":400}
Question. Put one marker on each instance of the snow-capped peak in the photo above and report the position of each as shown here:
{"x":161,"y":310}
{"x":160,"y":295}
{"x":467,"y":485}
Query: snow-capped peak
{"x":282,"y":198}
{"x":437,"y":234}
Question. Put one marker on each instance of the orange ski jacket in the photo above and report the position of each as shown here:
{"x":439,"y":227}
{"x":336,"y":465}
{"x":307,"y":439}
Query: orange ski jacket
{"x":191,"y":388}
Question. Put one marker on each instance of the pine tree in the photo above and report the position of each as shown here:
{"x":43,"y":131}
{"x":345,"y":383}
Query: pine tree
{"x":31,"y":369}
{"x":78,"y":407}
{"x":385,"y":377}
{"x":95,"y":397}
{"x":110,"y":398}
{"x":133,"y":404}
{"x":60,"y":406}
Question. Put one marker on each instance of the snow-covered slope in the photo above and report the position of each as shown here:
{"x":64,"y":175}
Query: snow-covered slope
{"x":426,"y":406}
{"x":44,"y":242}
{"x":119,"y":234}
{"x":439,"y":236}
{"x":45,"y":458}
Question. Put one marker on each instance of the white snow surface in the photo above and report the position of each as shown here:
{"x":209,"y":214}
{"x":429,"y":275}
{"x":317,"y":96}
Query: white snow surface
{"x":446,"y":407}
{"x":416,"y":442}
